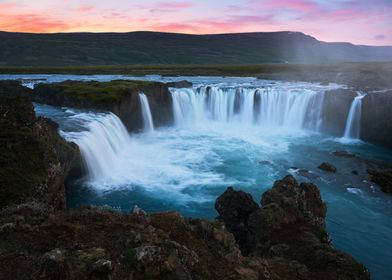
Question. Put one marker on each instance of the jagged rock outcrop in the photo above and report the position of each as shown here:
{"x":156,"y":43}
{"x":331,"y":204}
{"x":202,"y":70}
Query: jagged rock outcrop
{"x":34,"y":159}
{"x":289,"y":230}
{"x":234,"y":208}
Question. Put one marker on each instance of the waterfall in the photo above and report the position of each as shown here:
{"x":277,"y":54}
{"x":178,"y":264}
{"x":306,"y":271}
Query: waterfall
{"x":267,"y":107}
{"x":105,"y":139}
{"x":146,"y":113}
{"x":353,"y":123}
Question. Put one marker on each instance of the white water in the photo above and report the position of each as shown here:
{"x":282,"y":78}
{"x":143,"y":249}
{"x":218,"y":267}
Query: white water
{"x":353,"y":123}
{"x":248,"y":106}
{"x":101,"y":145}
{"x":146,"y":112}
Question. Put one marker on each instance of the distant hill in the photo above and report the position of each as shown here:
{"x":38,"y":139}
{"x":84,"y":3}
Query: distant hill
{"x":83,"y":49}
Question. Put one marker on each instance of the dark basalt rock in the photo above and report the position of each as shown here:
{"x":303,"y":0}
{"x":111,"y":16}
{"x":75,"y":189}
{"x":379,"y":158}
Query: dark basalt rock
{"x":180,"y":84}
{"x":327,"y":167}
{"x":383,"y":178}
{"x":336,"y":106}
{"x":289,"y":229}
{"x":344,"y":154}
{"x":376,"y":123}
{"x":234,"y":208}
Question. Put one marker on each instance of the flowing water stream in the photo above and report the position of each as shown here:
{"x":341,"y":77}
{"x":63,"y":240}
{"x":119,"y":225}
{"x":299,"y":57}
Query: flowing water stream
{"x":353,"y":124}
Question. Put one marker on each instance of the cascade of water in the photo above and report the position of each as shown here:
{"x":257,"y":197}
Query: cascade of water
{"x":353,"y":123}
{"x":146,"y":113}
{"x":274,"y":107}
{"x":100,"y":145}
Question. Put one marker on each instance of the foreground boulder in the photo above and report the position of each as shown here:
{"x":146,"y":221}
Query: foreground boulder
{"x":234,"y":208}
{"x":289,"y":231}
{"x":34,"y":159}
{"x":383,"y":178}
{"x":327,"y":167}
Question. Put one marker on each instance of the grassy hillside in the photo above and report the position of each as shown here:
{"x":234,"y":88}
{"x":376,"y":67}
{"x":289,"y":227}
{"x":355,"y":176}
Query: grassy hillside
{"x":148,"y":48}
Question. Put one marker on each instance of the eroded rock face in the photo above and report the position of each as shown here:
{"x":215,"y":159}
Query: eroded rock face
{"x":288,"y":233}
{"x":34,"y":159}
{"x":376,"y":124}
{"x":234,"y":208}
{"x":119,"y":97}
{"x":336,"y":106}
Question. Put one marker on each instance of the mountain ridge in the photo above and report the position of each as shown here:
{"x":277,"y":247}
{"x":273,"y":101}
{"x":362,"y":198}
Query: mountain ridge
{"x":148,"y":47}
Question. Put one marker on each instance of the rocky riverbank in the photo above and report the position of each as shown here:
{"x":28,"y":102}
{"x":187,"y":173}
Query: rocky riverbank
{"x":34,"y":158}
{"x":284,"y":238}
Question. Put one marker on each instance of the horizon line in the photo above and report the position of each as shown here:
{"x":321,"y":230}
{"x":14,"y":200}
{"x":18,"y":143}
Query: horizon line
{"x":190,"y":34}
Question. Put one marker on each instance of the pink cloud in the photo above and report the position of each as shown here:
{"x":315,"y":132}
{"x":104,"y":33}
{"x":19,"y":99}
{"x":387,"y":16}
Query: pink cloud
{"x":173,"y":5}
{"x":297,"y":5}
{"x":31,"y":23}
{"x":85,"y":9}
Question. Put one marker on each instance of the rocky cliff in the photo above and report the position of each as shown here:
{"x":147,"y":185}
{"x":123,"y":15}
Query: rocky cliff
{"x":376,"y":116}
{"x":336,"y":106}
{"x":34,"y":159}
{"x":119,"y":97}
{"x":376,"y":124}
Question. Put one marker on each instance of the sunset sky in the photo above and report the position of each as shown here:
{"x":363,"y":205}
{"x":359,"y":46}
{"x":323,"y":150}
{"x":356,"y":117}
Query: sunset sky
{"x":359,"y":22}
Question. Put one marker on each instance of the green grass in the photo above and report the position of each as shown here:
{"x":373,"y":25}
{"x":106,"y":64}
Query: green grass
{"x":93,"y":91}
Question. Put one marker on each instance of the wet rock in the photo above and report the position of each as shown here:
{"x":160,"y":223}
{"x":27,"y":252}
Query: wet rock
{"x":327,"y":167}
{"x":264,"y":162}
{"x":336,"y":106}
{"x":288,"y":235}
{"x":383,"y":178}
{"x":376,"y":124}
{"x":344,"y":154}
{"x":180,"y":84}
{"x":234,"y":208}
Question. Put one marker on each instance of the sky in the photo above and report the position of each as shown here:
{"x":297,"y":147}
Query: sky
{"x":360,"y":22}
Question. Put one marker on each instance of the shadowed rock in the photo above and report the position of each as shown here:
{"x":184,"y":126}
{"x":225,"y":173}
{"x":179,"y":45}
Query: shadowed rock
{"x":382,"y":178}
{"x":288,"y":232}
{"x":234,"y":208}
{"x":327,"y":167}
